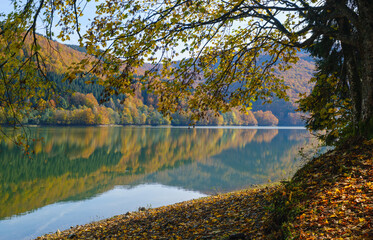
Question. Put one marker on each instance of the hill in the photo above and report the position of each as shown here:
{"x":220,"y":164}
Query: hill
{"x":79,"y":103}
{"x":58,"y":57}
{"x":297,"y":78}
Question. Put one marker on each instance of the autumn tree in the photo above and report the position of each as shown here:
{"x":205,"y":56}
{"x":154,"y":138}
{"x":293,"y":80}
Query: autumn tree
{"x":249,"y":119}
{"x":265,"y":118}
{"x":230,"y":48}
{"x":126,"y":117}
{"x":80,"y":99}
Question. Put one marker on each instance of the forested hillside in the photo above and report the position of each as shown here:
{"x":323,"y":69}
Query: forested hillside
{"x":297,"y":78}
{"x":78,"y":103}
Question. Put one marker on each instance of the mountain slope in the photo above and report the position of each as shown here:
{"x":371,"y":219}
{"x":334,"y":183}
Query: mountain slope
{"x":62,"y":56}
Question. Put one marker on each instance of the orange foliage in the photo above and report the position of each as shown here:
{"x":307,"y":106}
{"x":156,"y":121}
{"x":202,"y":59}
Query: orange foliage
{"x":266,"y":118}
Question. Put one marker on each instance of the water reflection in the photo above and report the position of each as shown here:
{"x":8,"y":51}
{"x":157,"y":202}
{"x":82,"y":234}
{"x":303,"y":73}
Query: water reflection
{"x":78,"y":163}
{"x":255,"y":157}
{"x":62,"y":215}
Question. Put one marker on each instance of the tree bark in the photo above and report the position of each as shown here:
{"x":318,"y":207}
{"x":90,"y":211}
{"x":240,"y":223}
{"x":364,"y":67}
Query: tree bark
{"x":366,"y":51}
{"x":355,"y":86}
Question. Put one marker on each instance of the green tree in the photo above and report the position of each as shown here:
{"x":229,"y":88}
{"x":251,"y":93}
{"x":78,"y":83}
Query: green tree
{"x":114,"y":117}
{"x":62,"y":103}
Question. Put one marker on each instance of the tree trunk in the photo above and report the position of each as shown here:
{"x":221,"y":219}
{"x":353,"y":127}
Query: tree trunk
{"x":353,"y":77}
{"x":366,"y":52}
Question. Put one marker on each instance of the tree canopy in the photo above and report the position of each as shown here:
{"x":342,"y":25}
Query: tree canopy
{"x":205,"y":55}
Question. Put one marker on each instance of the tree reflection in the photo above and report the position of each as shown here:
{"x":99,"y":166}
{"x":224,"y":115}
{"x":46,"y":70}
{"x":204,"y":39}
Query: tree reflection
{"x":76,"y":163}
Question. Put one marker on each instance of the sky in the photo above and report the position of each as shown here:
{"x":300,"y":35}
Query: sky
{"x":6,"y":6}
{"x":89,"y":12}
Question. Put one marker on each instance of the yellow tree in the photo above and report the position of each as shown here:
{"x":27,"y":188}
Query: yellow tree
{"x":230,"y":46}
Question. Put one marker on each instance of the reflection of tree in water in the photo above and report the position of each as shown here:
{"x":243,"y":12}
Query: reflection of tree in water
{"x":266,"y":135}
{"x":75,"y":163}
{"x":234,"y":168}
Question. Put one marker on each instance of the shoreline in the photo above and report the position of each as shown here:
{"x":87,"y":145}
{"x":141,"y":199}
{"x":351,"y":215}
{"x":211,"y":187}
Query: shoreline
{"x":161,"y":126}
{"x":206,"y":216}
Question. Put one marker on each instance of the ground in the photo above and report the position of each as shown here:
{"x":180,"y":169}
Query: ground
{"x":331,"y":197}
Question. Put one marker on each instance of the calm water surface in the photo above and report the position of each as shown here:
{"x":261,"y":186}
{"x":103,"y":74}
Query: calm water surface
{"x":79,"y":175}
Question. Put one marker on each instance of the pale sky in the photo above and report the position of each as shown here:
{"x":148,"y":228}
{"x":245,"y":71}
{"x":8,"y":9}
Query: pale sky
{"x":89,"y":12}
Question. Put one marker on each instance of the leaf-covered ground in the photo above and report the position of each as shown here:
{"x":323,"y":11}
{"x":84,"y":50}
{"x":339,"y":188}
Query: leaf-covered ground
{"x":331,"y":197}
{"x":233,"y":214}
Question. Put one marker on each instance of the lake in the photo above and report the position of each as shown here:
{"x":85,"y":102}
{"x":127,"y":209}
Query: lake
{"x":83,"y":174}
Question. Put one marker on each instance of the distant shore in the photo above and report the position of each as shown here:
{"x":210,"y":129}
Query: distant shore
{"x":161,"y":126}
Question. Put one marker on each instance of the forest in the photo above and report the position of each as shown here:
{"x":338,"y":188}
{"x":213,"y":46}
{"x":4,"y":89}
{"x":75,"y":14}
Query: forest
{"x":79,"y":103}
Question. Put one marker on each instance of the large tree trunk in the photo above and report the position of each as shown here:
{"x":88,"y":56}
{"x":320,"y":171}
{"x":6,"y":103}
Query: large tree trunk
{"x":367,"y":92}
{"x":366,"y":52}
{"x":353,"y":77}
